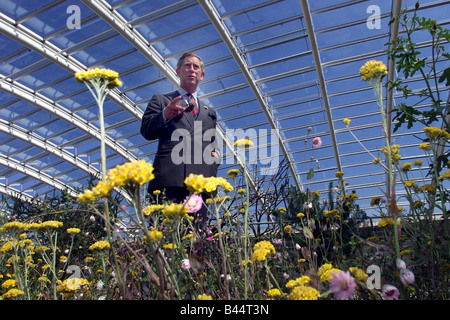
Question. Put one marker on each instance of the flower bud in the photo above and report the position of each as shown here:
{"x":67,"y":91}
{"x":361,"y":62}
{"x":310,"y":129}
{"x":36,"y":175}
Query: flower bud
{"x":406,"y":276}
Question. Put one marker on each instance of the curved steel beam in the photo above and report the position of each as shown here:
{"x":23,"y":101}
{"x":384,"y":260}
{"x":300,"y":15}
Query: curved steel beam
{"x":217,"y":22}
{"x":124,"y":28}
{"x":36,"y":174}
{"x":20,"y":133}
{"x":317,"y":61}
{"x":12,"y":192}
{"x":31,"y":40}
{"x":28,"y":95}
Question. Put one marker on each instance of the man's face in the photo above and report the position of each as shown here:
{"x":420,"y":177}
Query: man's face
{"x":190,"y":73}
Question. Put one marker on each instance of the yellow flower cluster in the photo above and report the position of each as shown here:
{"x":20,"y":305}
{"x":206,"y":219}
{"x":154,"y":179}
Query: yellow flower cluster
{"x":338,"y":174}
{"x":152,"y":208}
{"x":232,"y":173}
{"x":175,"y":211}
{"x":100,"y":245}
{"x":73,"y":231}
{"x":155,"y":235}
{"x":104,"y":75}
{"x":332,"y":214}
{"x":326,"y":272}
{"x":359,"y":274}
{"x":242,"y":143}
{"x":17,"y":227}
{"x":274,"y":293}
{"x":436,"y":133}
{"x":261,"y":250}
{"x":394,"y":152}
{"x":304,"y":293}
{"x":10,"y":283}
{"x":425,"y":147}
{"x":385,"y":222}
{"x":198,"y":183}
{"x":428,"y":188}
{"x":71,"y":285}
{"x":302,"y":281}
{"x":13,"y":293}
{"x":373,"y":69}
{"x":131,"y":174}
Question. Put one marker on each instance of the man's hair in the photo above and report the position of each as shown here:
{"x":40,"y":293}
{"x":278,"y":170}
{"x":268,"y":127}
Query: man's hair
{"x":190,"y":54}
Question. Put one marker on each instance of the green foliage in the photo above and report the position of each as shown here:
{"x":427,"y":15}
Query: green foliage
{"x":412,"y":63}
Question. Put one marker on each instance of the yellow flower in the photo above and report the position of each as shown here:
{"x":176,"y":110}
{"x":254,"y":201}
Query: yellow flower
{"x":274,"y":293}
{"x":385,"y":222}
{"x":409,"y":184}
{"x":198,"y":183}
{"x":347,"y":121}
{"x":153,"y":208}
{"x":375,"y":201}
{"x":71,"y":285}
{"x":73,"y":230}
{"x":243,"y":143}
{"x":359,"y":274}
{"x":13,"y":293}
{"x":373,"y":69}
{"x":436,"y":133}
{"x":406,"y":167}
{"x":102,"y":75}
{"x":300,"y":215}
{"x":304,"y":293}
{"x":287,"y":229}
{"x":51,"y":224}
{"x":175,"y":210}
{"x":261,"y":250}
{"x":425,"y":147}
{"x":10,"y":283}
{"x":169,"y":246}
{"x":100,"y":245}
{"x":129,"y":175}
{"x":326,"y":272}
{"x":6,"y":247}
{"x":232,"y":173}
{"x":339,"y":174}
{"x":14,"y":227}
{"x":155,"y":235}
{"x":204,"y":297}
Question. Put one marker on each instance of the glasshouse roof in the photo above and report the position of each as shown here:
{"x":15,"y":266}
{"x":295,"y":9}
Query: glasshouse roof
{"x":281,"y":73}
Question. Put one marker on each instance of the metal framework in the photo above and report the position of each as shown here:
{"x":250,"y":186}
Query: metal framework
{"x":284,"y":65}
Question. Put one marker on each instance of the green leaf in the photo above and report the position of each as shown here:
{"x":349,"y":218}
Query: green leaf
{"x":307,"y":233}
{"x":310,"y":174}
{"x":445,"y":75}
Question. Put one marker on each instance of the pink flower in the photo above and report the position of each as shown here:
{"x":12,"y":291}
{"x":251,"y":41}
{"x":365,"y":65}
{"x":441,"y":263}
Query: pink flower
{"x":400,"y":264}
{"x":390,"y":292}
{"x":342,"y":285}
{"x":317,"y":142}
{"x":185,"y":264}
{"x":194,"y":203}
{"x":309,"y":129}
{"x":406,"y":277}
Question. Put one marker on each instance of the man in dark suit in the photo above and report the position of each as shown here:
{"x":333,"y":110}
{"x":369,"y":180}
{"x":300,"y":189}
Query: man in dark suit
{"x":186,"y":133}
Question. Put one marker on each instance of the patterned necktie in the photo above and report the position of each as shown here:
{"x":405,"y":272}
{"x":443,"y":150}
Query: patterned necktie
{"x":192,"y":105}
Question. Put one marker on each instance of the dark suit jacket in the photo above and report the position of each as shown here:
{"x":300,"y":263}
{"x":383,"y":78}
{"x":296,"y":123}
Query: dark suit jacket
{"x":184,"y":146}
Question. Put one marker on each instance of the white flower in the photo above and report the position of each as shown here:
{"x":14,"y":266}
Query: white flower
{"x":185,"y":264}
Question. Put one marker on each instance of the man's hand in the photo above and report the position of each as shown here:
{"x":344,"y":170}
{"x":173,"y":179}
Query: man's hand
{"x":173,"y":109}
